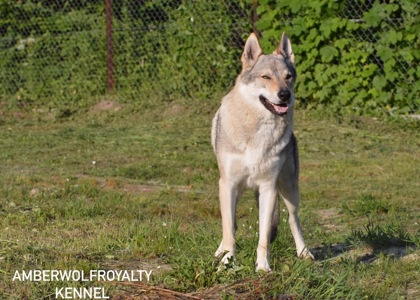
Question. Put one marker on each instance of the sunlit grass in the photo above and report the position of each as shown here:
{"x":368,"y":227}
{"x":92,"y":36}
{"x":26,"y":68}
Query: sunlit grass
{"x":138,"y":189}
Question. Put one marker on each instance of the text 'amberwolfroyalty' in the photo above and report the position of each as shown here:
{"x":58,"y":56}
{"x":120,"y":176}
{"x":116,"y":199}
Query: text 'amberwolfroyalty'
{"x":81,"y":275}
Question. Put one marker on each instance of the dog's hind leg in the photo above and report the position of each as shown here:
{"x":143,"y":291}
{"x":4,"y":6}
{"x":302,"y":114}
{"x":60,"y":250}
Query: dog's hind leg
{"x":289,"y":190}
{"x":291,"y":199}
{"x":275,"y":221}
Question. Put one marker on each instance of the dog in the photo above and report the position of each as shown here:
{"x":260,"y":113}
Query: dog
{"x":252,"y":138}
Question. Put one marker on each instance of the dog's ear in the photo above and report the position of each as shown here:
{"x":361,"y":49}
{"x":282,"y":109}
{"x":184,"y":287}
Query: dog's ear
{"x":285,"y":48}
{"x":252,"y":51}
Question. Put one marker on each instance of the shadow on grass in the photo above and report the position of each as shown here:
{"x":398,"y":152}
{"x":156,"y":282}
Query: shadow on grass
{"x":370,"y":243}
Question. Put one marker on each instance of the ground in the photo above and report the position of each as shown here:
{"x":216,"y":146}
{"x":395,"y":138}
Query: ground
{"x":114,"y":186}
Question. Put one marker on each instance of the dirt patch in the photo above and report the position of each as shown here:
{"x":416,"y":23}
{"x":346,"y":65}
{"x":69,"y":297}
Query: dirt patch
{"x":173,"y":110}
{"x":364,"y":254}
{"x":137,"y":188}
{"x":329,"y":219}
{"x":367,"y":254}
{"x":105,"y":105}
{"x":328,"y":213}
{"x":245,"y":289}
{"x":139,"y":291}
{"x":411,"y":257}
{"x":128,"y":187}
{"x":413,"y":291}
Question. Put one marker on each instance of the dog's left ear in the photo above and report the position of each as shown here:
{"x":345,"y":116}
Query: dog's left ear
{"x":285,"y":48}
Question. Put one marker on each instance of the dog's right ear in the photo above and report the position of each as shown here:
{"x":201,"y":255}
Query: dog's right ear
{"x":252,"y":51}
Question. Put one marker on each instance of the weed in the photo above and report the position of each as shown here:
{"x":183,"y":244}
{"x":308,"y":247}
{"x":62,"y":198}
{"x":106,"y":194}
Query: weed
{"x":381,"y":235}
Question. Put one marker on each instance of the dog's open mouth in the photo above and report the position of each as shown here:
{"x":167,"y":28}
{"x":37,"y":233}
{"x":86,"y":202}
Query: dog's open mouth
{"x":277,"y":109}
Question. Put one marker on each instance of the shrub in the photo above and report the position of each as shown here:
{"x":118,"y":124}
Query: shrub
{"x":51,"y":52}
{"x":357,"y":56}
{"x":354,"y":56}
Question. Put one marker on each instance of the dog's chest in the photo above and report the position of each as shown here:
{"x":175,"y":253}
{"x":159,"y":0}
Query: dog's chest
{"x":248,"y":147}
{"x":262,"y":157}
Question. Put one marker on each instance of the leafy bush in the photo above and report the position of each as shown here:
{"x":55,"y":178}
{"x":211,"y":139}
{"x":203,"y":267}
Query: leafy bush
{"x":51,"y":52}
{"x":365,"y":61}
{"x":357,"y":56}
{"x":187,"y":50}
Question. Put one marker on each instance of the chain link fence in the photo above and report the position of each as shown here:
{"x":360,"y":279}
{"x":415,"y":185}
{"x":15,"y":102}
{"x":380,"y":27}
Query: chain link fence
{"x":59,"y":52}
{"x":170,"y":49}
{"x":51,"y":51}
{"x":356,"y":11}
{"x":54,"y":52}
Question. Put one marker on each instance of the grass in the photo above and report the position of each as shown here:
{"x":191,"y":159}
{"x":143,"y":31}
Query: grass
{"x":137,"y":189}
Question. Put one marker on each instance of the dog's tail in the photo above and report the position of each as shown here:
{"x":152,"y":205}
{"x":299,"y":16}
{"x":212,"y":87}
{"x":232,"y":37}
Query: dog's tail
{"x":276,"y":217}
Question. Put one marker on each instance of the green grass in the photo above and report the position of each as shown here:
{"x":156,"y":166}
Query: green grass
{"x":137,"y":189}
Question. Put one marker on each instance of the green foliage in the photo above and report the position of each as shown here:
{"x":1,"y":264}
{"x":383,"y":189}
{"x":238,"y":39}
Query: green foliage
{"x":354,"y":57}
{"x":358,"y":65}
{"x":185,"y":51}
{"x":52,"y":52}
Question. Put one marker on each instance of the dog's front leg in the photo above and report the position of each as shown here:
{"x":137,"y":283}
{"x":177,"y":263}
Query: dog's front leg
{"x":267,"y":204}
{"x":228,"y":193}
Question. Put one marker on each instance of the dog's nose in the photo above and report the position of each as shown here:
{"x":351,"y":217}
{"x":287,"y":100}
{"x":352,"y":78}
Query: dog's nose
{"x":284,"y":94}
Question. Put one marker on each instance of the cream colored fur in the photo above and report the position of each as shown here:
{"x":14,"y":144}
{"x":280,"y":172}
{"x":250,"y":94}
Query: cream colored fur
{"x":252,"y":137}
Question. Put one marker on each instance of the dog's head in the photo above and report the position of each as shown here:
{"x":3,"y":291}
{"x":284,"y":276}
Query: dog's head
{"x":268,"y":80}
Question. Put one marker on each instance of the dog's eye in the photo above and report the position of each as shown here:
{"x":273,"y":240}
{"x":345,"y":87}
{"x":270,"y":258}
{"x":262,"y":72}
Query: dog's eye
{"x":265,"y":77}
{"x":288,"y":76}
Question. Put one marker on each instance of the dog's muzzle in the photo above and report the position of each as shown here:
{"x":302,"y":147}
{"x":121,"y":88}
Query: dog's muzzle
{"x":277,"y":109}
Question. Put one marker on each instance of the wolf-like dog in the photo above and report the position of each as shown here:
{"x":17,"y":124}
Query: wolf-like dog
{"x":252,"y":138}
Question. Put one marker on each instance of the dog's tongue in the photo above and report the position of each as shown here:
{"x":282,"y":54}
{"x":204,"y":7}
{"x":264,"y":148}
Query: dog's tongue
{"x":280,"y":109}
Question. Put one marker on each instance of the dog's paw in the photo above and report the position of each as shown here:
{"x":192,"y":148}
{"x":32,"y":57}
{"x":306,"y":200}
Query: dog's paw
{"x":306,"y":254}
{"x":225,"y":260}
{"x":262,"y":266}
{"x":265,"y":269}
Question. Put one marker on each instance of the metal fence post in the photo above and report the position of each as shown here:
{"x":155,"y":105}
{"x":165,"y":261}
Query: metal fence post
{"x":109,"y":47}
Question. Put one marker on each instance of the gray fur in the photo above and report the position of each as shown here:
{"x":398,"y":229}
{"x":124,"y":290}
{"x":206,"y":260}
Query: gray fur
{"x":252,"y":138}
